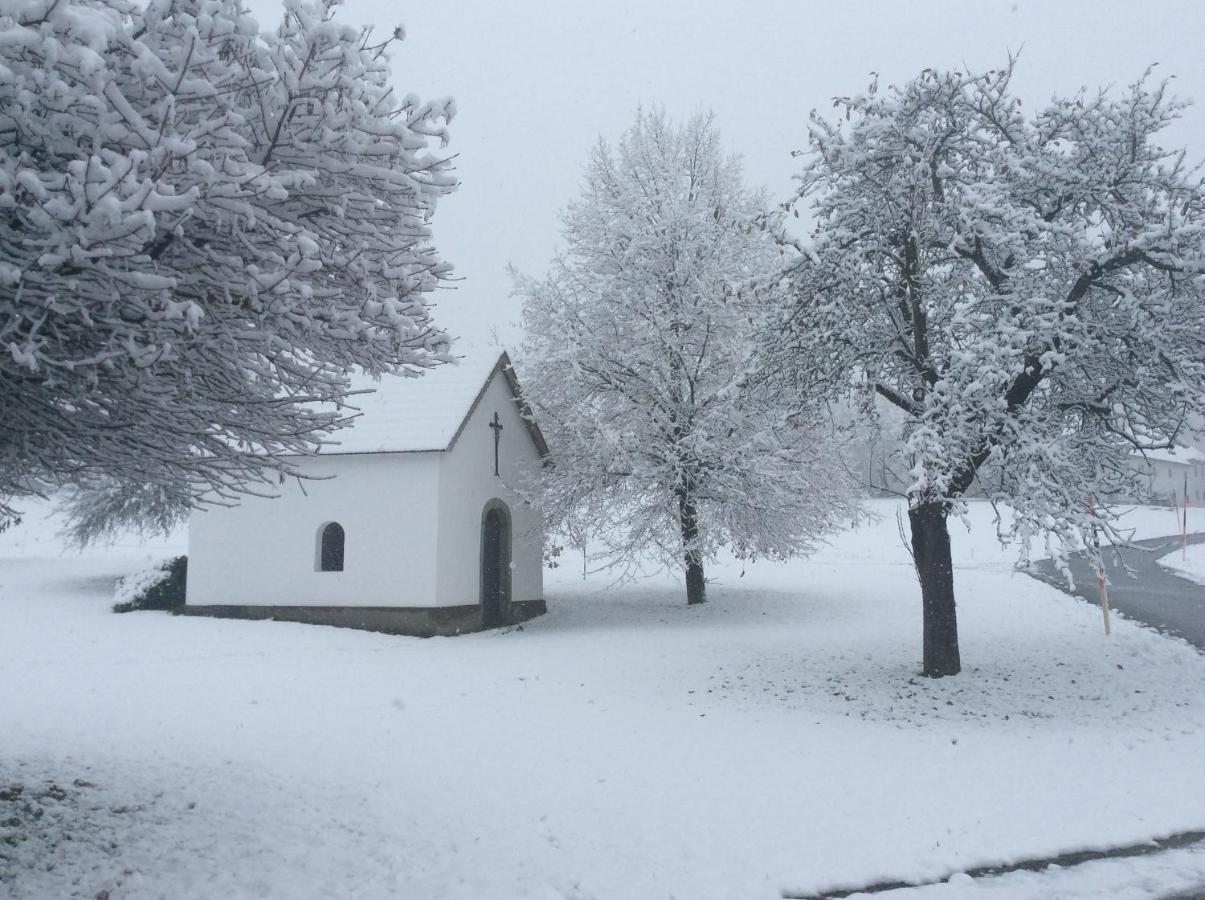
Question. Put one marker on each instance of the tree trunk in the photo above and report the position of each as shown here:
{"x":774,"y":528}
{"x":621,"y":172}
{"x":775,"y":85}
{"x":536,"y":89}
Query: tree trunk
{"x":935,"y":569}
{"x":688,"y":518}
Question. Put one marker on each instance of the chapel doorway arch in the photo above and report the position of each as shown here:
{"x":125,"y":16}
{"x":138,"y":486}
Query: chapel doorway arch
{"x":495,"y":563}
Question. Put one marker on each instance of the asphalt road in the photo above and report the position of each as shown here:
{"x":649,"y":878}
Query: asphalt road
{"x":1146,"y":592}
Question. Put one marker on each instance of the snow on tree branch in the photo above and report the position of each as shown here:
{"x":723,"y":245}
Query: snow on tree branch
{"x":638,"y":364}
{"x":1029,"y":290}
{"x":202,"y":227}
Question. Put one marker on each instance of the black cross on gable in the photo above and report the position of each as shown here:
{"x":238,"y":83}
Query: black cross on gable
{"x":497,"y":426}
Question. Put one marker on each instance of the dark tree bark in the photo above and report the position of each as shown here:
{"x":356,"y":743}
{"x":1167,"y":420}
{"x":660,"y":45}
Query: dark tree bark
{"x":935,"y":570}
{"x":688,"y":518}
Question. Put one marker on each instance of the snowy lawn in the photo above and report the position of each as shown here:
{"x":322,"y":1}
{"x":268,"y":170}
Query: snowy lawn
{"x":1187,"y":563}
{"x":622,"y":746}
{"x":1141,"y":522}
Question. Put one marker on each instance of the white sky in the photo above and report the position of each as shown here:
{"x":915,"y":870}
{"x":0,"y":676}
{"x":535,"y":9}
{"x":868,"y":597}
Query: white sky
{"x":536,"y":83}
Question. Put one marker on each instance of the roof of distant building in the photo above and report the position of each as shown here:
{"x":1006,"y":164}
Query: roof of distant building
{"x":1185,"y":456}
{"x":424,"y":412}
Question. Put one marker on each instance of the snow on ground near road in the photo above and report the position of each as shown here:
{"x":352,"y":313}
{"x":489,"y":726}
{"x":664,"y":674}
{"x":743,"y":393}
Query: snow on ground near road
{"x":776,"y":739}
{"x":1133,"y":878}
{"x":1187,"y":563}
{"x":1140,"y":522}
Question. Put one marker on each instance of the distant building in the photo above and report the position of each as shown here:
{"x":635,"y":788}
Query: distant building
{"x":1167,"y":474}
{"x":1172,"y":473}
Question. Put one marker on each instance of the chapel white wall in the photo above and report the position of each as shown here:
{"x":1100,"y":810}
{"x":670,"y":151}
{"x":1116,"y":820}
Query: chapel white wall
{"x":264,"y":551}
{"x":467,"y":483}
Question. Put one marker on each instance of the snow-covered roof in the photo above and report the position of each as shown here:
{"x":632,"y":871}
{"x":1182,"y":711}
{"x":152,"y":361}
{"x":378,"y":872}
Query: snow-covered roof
{"x":424,"y":413}
{"x":1185,"y":456}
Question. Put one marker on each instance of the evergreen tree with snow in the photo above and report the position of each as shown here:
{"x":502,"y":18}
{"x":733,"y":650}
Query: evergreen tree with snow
{"x":637,"y":365}
{"x":203,"y":227}
{"x":1027,"y":289}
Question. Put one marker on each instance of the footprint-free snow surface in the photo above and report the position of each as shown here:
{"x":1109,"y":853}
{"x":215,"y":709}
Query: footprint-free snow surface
{"x":1188,"y":562}
{"x":776,"y":740}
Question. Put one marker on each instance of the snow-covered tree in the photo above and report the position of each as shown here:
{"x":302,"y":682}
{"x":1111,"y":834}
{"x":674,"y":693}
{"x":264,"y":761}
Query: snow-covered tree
{"x":872,"y":440}
{"x":202,"y":228}
{"x":637,"y":357}
{"x":1026,"y":289}
{"x":105,"y":508}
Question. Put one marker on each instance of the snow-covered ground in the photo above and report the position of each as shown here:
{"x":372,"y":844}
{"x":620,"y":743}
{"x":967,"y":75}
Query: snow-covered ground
{"x":622,"y":746}
{"x":1188,"y":562}
{"x":1157,"y":521}
{"x":1130,"y":878}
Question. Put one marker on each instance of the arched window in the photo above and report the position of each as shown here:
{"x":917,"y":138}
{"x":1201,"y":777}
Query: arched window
{"x":330,"y":548}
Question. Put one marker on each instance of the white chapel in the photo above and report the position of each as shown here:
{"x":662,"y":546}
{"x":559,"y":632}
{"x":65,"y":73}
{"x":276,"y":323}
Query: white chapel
{"x":416,"y":522}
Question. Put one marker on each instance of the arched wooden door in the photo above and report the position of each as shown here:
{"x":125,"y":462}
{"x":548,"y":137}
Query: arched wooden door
{"x":495,"y":564}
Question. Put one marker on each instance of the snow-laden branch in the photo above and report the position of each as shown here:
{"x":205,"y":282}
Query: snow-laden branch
{"x":1028,"y":289}
{"x":202,"y":228}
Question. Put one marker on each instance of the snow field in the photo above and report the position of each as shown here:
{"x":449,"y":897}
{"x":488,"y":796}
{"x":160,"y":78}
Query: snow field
{"x":1187,"y":563}
{"x":775,"y":740}
{"x":1136,"y":878}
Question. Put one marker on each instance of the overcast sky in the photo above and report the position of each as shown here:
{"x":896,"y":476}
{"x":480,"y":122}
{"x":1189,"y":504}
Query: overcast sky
{"x":536,"y":83}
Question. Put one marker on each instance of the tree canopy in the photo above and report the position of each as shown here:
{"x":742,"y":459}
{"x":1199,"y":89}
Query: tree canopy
{"x":1027,"y":288}
{"x":637,"y":363}
{"x":203,"y":227}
